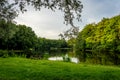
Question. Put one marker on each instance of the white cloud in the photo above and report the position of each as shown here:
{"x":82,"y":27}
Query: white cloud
{"x":45,"y":23}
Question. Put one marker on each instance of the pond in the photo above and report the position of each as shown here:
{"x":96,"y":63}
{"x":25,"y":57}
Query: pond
{"x":92,"y":57}
{"x":61,"y":54}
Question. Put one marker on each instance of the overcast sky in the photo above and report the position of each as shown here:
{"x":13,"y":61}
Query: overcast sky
{"x":49,"y":24}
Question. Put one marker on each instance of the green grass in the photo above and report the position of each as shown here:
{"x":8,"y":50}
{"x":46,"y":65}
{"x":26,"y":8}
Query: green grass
{"x":27,"y":69}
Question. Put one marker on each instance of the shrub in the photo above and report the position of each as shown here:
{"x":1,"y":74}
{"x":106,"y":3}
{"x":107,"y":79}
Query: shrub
{"x":66,"y":58}
{"x":3,"y":53}
{"x":118,"y":48}
{"x":46,"y":56}
{"x":11,"y":53}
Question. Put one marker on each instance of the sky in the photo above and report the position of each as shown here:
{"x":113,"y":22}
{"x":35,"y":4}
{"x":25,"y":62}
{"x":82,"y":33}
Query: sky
{"x":49,"y":24}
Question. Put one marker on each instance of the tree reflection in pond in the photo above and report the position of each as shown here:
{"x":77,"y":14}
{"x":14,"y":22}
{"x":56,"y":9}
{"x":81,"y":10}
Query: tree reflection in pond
{"x":104,"y":58}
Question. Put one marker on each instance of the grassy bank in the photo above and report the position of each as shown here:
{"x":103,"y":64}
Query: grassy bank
{"x":27,"y":69}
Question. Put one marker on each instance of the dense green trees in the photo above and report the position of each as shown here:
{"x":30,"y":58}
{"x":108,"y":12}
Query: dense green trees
{"x":7,"y":31}
{"x":45,"y":45}
{"x":104,"y":35}
{"x":17,"y":37}
{"x":22,"y":38}
{"x":100,"y":43}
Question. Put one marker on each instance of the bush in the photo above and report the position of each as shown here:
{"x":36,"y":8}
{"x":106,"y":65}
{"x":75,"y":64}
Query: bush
{"x":3,"y":53}
{"x":11,"y":53}
{"x":66,"y":58}
{"x":118,"y":48}
{"x":46,"y":56}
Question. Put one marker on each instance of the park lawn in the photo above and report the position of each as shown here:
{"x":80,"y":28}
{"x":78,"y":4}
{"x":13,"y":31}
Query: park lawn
{"x":28,"y":69}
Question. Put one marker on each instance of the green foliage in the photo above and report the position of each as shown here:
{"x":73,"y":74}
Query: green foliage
{"x":11,"y":53}
{"x":27,"y":69}
{"x":46,"y":56}
{"x":7,"y":31}
{"x":101,"y":36}
{"x":71,"y":42}
{"x":48,"y":44}
{"x":4,"y":53}
{"x":118,"y":48}
{"x":66,"y":58}
{"x":22,"y":38}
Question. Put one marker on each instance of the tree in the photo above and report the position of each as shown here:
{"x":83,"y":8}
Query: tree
{"x":101,"y":36}
{"x":7,"y":31}
{"x":72,"y":8}
{"x":24,"y":39}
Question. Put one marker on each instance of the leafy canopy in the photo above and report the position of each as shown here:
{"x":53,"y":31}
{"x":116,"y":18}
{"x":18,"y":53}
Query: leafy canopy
{"x":71,"y":8}
{"x":103,"y":35}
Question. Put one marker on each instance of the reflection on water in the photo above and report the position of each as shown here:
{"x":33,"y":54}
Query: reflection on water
{"x":55,"y":58}
{"x":104,"y":58}
{"x":73,"y":59}
{"x":58,"y":55}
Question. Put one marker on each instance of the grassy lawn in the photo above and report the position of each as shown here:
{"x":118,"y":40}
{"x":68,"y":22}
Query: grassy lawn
{"x":27,"y":69}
